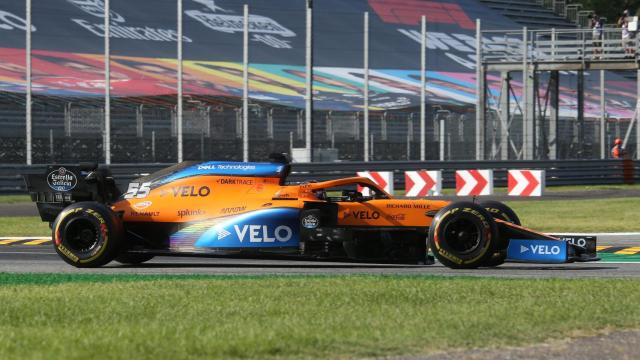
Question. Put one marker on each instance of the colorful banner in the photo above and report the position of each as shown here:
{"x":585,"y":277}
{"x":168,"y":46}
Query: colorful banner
{"x":68,"y":42}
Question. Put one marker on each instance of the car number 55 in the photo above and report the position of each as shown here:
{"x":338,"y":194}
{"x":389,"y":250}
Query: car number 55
{"x":138,"y":190}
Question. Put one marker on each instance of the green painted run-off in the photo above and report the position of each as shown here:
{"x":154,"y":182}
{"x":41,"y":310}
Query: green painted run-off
{"x":609,"y":257}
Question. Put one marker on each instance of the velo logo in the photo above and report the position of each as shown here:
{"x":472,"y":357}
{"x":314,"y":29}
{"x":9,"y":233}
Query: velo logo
{"x":263,"y":233}
{"x":540,"y":251}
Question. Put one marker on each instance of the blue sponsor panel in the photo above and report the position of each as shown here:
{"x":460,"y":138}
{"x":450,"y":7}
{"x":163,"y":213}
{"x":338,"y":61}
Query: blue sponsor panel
{"x":224,"y":168}
{"x":269,"y":228}
{"x":542,"y":251}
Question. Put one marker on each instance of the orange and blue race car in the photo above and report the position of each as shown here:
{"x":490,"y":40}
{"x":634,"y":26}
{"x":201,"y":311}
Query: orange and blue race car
{"x":248,"y":209}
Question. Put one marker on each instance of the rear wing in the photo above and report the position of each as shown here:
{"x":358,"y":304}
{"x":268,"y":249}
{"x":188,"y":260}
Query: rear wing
{"x":62,"y":185}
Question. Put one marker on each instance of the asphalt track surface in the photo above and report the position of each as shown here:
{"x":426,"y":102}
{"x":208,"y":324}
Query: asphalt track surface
{"x":43,"y":259}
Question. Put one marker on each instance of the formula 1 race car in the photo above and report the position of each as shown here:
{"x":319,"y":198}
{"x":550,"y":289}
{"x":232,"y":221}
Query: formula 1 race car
{"x":247,"y":209}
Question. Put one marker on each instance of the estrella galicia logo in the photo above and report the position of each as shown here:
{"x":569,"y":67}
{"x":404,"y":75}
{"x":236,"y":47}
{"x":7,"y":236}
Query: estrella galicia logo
{"x":310,"y":221}
{"x":62,"y":180}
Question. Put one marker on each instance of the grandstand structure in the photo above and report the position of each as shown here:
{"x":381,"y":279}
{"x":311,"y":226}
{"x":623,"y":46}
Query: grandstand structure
{"x":541,"y":56}
{"x":544,"y":14}
{"x":216,"y":81}
{"x":533,"y":14}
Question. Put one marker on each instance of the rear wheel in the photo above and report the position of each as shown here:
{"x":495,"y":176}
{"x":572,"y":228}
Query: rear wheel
{"x":463,"y":235}
{"x":500,"y":211}
{"x":87,"y":234}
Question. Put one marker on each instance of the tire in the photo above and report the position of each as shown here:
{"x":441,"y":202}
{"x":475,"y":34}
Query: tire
{"x":87,"y":234}
{"x":496,"y":259}
{"x":463,"y":235}
{"x":500,"y":211}
{"x":133,"y":259}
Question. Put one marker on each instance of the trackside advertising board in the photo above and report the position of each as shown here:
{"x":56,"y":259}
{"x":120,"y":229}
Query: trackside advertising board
{"x":213,"y":30}
{"x":68,"y":43}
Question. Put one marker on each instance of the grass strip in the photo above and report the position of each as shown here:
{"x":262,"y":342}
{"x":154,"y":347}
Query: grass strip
{"x":298,"y":316}
{"x":13,"y":199}
{"x":23,"y":226}
{"x":589,"y":215}
{"x":56,"y":279}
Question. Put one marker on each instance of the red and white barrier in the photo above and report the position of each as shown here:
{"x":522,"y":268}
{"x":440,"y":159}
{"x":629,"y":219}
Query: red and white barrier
{"x":423,"y":183}
{"x":384,"y":179}
{"x":525,"y":182}
{"x":474,"y":182}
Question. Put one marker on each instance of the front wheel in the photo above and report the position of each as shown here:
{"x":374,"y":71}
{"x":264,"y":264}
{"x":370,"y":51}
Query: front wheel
{"x":503,"y":212}
{"x":87,"y":234}
{"x":463,"y":235}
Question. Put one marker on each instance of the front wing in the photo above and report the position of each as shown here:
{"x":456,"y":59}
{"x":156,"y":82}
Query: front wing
{"x":526,"y":245}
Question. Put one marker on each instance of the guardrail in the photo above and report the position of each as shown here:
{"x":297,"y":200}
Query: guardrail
{"x":558,"y":172}
{"x":561,"y":172}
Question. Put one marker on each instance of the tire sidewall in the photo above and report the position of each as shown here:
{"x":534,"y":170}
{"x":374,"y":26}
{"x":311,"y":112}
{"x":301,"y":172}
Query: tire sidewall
{"x":106,"y":224}
{"x":500,"y":211}
{"x":483,"y":221}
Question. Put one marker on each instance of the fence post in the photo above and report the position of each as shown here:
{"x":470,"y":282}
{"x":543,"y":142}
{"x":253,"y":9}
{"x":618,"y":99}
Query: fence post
{"x":423,"y":84}
{"x":441,"y":136}
{"x":51,"y":154}
{"x":603,"y":150}
{"x":480,"y":95}
{"x":202,"y":146}
{"x":153,"y":145}
{"x":408,"y":146}
{"x":372,"y":156}
{"x":637,"y":123}
{"x":180,"y":104}
{"x":28,"y":82}
{"x":528,"y":108}
{"x":554,"y":112}
{"x":366,"y":86}
{"x":245,"y":85}
{"x":580,"y":111}
{"x":525,"y":97}
{"x":505,"y":114}
{"x":553,"y":44}
{"x":309,"y":83}
{"x":290,"y":142}
{"x":270,"y":131}
{"x":107,"y":84}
